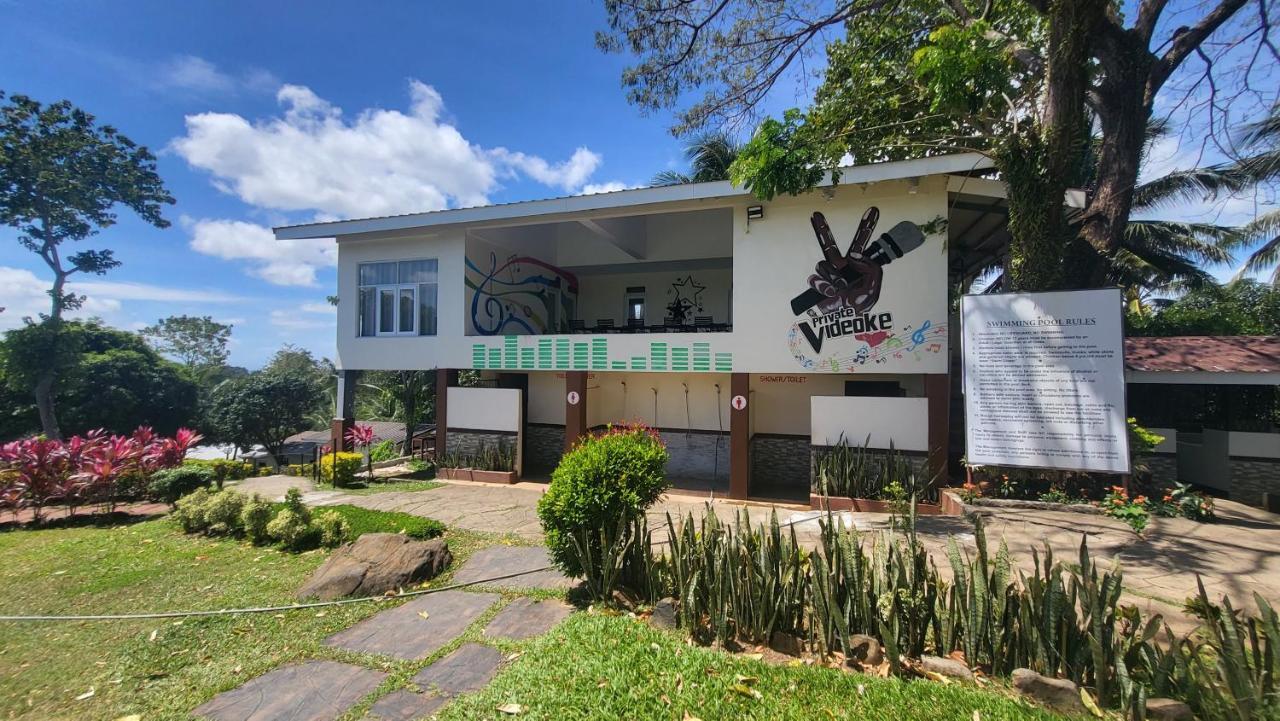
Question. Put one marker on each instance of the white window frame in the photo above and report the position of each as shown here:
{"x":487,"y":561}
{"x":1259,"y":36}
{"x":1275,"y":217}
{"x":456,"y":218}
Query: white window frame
{"x":396,"y":289}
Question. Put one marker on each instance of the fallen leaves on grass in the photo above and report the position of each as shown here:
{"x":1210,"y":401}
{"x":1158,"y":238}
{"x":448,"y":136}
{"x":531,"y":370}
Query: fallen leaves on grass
{"x":86,"y":695}
{"x":511,"y":709}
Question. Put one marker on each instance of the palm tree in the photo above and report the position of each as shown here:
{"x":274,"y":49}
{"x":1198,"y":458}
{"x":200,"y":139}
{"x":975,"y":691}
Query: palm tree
{"x":709,"y":156}
{"x":1263,"y":166}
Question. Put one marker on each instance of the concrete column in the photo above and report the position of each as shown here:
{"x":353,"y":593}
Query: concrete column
{"x":344,"y":413}
{"x":739,"y":435}
{"x":937,"y":389}
{"x":575,"y":413}
{"x":445,"y":378}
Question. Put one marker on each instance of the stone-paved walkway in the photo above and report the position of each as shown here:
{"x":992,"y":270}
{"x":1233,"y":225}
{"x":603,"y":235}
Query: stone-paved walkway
{"x":322,"y":690}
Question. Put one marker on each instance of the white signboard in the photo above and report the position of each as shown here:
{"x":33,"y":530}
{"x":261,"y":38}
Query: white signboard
{"x":1044,"y":380}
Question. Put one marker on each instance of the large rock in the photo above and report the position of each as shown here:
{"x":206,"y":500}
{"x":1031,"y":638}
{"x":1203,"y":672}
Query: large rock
{"x":376,"y":563}
{"x":946,"y":667}
{"x":865,"y":650}
{"x":1167,"y":709}
{"x":1059,"y":694}
{"x":664,"y":615}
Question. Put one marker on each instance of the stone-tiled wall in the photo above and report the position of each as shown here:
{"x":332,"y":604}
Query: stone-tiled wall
{"x":1164,"y":468}
{"x":1252,"y":477}
{"x":543,"y":446}
{"x":778,"y":462}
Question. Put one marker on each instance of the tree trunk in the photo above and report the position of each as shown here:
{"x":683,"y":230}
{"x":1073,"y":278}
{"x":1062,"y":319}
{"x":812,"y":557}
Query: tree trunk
{"x":44,"y":404}
{"x":1041,"y":162}
{"x":47,"y":382}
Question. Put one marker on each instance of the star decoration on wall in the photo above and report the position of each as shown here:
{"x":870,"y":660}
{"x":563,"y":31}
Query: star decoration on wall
{"x":688,"y":292}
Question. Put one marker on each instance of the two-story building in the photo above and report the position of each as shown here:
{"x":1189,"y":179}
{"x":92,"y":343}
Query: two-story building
{"x":747,"y":332}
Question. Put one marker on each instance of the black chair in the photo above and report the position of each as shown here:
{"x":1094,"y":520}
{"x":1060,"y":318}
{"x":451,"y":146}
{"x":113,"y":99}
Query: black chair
{"x":703,"y":322}
{"x":604,"y":325}
{"x":673,"y":325}
{"x":577,"y":326}
{"x":635,"y":325}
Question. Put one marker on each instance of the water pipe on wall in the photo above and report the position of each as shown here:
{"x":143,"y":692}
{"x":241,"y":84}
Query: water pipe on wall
{"x":715,"y":474}
{"x":655,"y":407}
{"x":688,"y":417}
{"x":624,"y":398}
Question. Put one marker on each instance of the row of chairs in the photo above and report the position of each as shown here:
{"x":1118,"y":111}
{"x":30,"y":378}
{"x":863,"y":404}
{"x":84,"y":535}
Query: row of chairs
{"x":701,"y":323}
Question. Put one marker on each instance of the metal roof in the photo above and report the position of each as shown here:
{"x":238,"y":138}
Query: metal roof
{"x":896,"y":170}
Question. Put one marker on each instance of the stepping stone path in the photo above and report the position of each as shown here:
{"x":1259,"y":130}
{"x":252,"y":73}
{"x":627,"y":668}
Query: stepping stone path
{"x":467,"y":669}
{"x":417,"y":629}
{"x":311,"y":691}
{"x":525,"y":618}
{"x":531,"y":562}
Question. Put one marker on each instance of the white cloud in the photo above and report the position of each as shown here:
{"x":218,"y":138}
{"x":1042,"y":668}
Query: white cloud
{"x":307,"y":316}
{"x":24,"y":294}
{"x":320,"y":308}
{"x":281,"y":262}
{"x":194,"y":73}
{"x":312,"y":157}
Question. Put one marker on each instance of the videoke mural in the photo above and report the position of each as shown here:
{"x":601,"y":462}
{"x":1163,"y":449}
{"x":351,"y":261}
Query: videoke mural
{"x":839,"y":327}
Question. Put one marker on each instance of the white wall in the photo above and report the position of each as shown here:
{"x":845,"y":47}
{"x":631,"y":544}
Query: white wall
{"x":1170,"y":442}
{"x":621,"y":397}
{"x":485,"y":409}
{"x":1253,"y":445}
{"x":904,"y":422}
{"x":781,"y":401}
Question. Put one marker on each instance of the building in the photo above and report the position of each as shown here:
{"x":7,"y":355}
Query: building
{"x":749,"y":333}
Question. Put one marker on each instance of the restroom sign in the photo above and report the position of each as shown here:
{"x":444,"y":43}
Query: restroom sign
{"x":573,"y":398}
{"x":738,"y":402}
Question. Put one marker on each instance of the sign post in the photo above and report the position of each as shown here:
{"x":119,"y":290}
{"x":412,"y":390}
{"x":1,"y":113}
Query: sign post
{"x":1044,"y":380}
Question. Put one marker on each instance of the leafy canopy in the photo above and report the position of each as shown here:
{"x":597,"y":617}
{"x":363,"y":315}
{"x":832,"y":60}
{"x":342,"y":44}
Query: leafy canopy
{"x":199,"y":342}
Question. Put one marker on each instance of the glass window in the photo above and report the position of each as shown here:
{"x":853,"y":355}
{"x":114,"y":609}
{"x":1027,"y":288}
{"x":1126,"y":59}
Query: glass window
{"x":635,"y":309}
{"x":417,"y":271}
{"x":368,"y":311}
{"x":378,"y":274}
{"x":407,"y":305}
{"x":398,"y":297}
{"x":427,"y":309}
{"x":386,"y":310}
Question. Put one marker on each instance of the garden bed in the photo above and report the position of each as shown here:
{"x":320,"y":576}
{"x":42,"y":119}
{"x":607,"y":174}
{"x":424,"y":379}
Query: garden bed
{"x":475,"y":474}
{"x":820,"y":502}
{"x":965,"y":508}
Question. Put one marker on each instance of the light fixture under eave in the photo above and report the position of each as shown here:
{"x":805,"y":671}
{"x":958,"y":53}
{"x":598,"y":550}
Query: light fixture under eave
{"x":755,"y":212}
{"x":913,"y":185}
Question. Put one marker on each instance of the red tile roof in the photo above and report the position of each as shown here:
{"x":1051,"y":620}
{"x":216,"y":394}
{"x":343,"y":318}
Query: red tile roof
{"x":1215,"y":354}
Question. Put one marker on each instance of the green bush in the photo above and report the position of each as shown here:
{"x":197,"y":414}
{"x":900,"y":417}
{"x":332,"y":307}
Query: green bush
{"x":170,"y":484}
{"x":364,"y":520}
{"x":292,"y":531}
{"x":347,"y":466}
{"x":601,"y":483}
{"x":254,"y":518}
{"x":384,"y":451}
{"x":189,"y":511}
{"x":222,"y":511}
{"x":334,"y":529}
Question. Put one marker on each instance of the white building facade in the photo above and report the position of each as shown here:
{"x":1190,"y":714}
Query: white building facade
{"x":748,"y":333}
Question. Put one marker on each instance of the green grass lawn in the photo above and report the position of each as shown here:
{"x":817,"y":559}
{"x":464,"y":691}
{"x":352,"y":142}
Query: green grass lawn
{"x":401,"y":485}
{"x":159,"y":669}
{"x":612,"y":667}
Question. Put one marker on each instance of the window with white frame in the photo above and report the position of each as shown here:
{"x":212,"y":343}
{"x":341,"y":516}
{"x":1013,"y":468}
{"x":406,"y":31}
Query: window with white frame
{"x":398,"y":297}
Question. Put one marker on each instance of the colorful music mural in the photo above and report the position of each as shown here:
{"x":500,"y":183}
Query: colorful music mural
{"x":520,"y":295}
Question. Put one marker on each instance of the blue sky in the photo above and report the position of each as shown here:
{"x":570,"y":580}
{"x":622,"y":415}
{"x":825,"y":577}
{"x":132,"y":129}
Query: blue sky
{"x":271,"y":113}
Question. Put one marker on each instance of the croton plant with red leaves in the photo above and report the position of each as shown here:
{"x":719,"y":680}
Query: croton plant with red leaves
{"x":37,"y":472}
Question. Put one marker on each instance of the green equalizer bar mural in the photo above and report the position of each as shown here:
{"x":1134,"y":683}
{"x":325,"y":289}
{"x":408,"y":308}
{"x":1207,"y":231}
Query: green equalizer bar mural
{"x":592,"y":353}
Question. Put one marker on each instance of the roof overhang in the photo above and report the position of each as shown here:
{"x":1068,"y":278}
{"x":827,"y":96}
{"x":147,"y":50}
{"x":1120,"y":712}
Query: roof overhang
{"x":623,"y":199}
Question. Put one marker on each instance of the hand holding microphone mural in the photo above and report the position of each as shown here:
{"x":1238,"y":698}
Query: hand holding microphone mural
{"x":853,"y":280}
{"x":843,"y":290}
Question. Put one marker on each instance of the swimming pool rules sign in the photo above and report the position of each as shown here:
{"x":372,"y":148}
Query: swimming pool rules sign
{"x":1044,"y":380}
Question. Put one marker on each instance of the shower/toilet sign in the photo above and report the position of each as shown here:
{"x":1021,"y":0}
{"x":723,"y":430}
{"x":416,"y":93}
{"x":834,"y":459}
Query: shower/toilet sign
{"x":738,"y":402}
{"x":1044,"y":380}
{"x":573,"y":398}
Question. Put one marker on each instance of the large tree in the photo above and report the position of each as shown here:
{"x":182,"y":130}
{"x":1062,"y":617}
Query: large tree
{"x":198,"y":342}
{"x":62,"y":175}
{"x":1024,"y":81}
{"x":109,"y":379}
{"x":265,"y":408}
{"x":406,"y":396}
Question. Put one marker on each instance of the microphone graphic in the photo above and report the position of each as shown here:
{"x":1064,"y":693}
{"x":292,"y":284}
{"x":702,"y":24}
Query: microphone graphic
{"x":897,"y":242}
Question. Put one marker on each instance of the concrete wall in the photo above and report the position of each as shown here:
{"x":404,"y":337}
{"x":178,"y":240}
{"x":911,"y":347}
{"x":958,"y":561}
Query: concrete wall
{"x":901,"y":423}
{"x":485,"y":409}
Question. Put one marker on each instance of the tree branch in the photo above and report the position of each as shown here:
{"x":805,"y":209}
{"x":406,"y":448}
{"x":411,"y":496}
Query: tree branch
{"x":1186,"y":40}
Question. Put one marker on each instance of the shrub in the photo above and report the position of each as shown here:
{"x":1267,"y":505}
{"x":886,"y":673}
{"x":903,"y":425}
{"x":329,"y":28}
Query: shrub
{"x":189,"y":511}
{"x":223,"y":511}
{"x":604,"y":481}
{"x":254,"y":518}
{"x":266,"y":471}
{"x":347,"y":465}
{"x":292,"y":530}
{"x":364,"y":520}
{"x":1132,"y":511}
{"x":1182,"y":501}
{"x":170,"y":484}
{"x":334,"y":529}
{"x":383,"y":451}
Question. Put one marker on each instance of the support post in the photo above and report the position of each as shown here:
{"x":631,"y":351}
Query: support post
{"x":739,"y":435}
{"x":445,"y":377}
{"x":937,"y":389}
{"x":575,"y":407}
{"x":344,"y":414}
